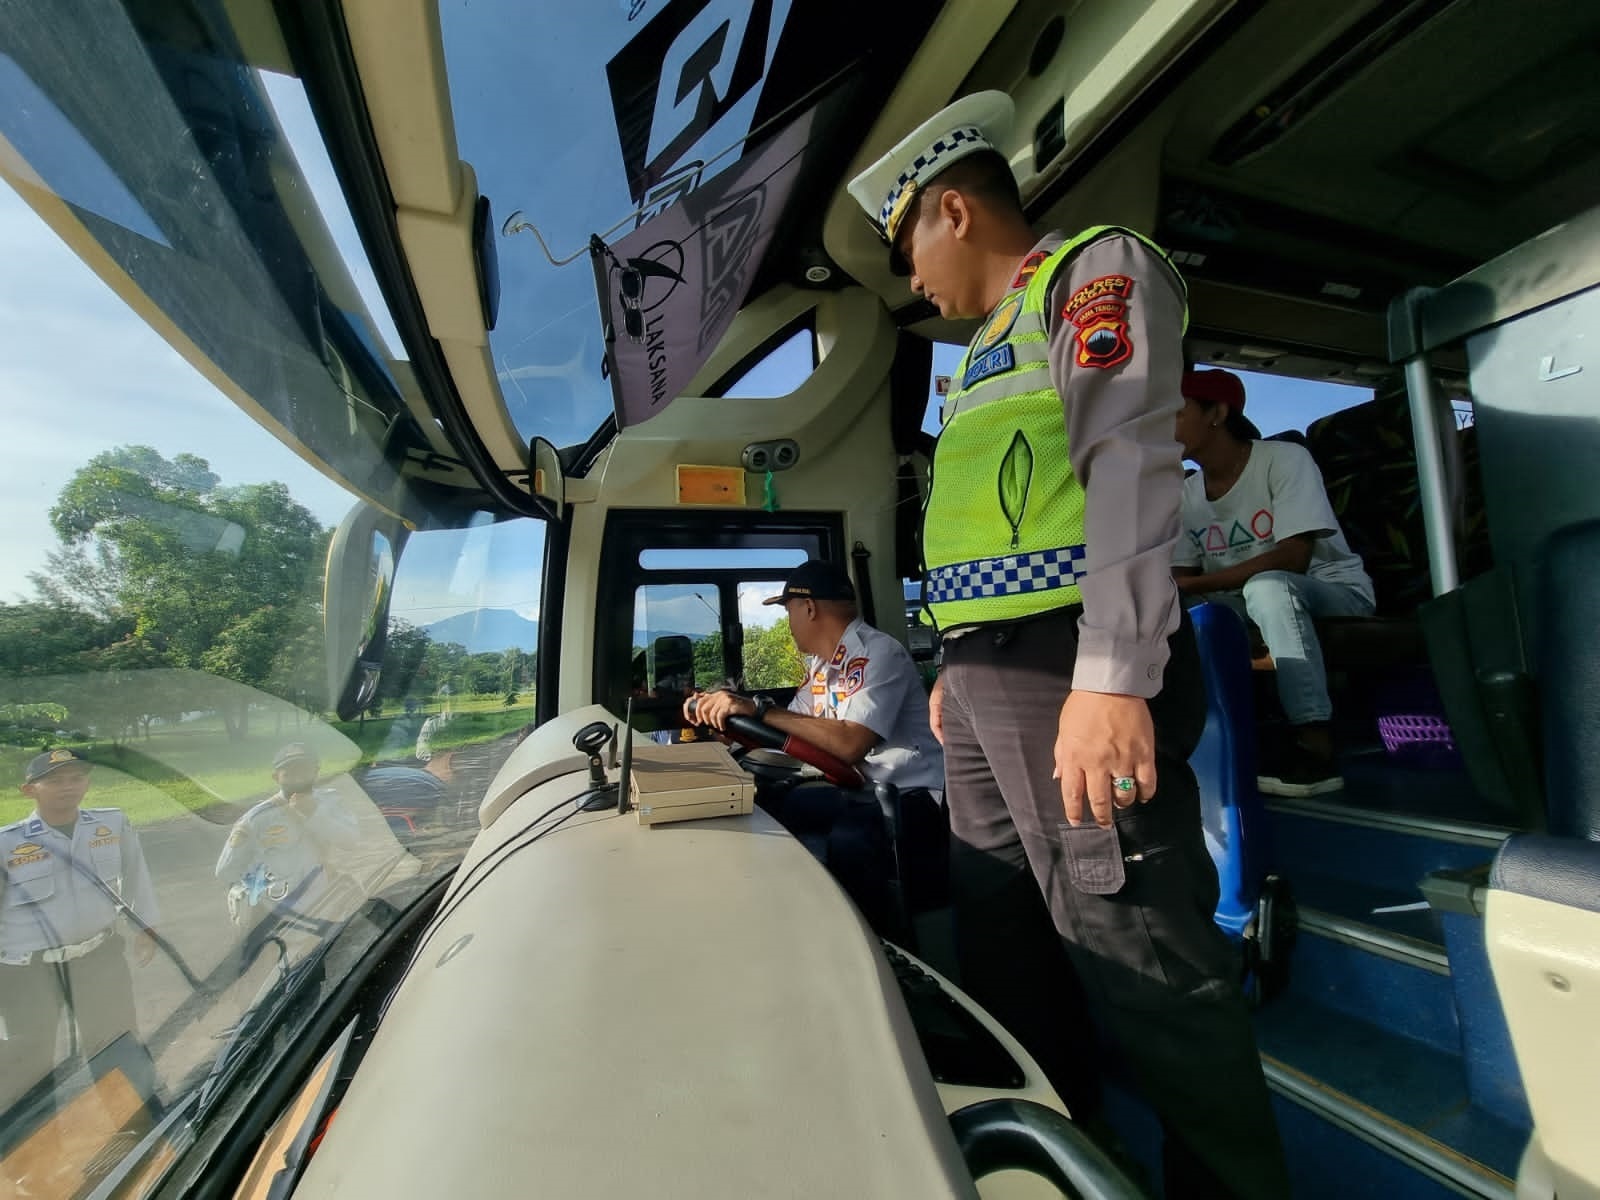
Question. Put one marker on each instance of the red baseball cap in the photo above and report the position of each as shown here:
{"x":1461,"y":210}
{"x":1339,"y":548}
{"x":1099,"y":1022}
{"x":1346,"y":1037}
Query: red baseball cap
{"x":1224,"y":388}
{"x":1214,"y":387}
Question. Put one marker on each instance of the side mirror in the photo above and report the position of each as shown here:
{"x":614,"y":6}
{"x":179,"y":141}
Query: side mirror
{"x":549,"y":480}
{"x":674,"y":663}
{"x":355,"y":604}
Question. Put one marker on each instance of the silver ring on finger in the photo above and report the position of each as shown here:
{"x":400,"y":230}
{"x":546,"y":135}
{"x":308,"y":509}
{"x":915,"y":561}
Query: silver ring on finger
{"x":1125,"y":785}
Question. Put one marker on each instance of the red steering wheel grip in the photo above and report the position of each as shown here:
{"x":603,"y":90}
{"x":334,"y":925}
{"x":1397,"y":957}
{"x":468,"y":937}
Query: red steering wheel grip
{"x":757,"y":734}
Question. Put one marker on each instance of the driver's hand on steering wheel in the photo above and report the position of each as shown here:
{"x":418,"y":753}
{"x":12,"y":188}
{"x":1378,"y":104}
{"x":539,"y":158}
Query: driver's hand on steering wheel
{"x":714,"y":709}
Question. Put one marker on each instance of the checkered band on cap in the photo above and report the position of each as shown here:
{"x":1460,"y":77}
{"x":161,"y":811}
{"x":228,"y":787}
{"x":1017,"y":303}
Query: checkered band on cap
{"x":929,"y":163}
{"x":1012,"y":575}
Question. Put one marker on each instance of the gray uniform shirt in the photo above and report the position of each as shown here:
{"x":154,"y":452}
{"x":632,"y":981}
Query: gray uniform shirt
{"x":1122,"y":443}
{"x":53,"y":888}
{"x":272,"y":849}
{"x":872,"y":680}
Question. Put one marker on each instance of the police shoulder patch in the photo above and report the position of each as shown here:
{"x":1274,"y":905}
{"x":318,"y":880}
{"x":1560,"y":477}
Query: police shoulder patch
{"x":1030,"y":268}
{"x":1099,"y":311}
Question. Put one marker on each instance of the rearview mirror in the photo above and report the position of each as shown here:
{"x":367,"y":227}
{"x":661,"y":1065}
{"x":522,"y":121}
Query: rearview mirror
{"x":355,"y":604}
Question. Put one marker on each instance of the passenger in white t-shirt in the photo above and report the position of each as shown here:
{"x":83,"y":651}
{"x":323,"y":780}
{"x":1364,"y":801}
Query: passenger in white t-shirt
{"x":1260,"y":536}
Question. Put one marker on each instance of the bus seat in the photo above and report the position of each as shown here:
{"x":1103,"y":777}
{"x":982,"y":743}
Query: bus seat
{"x":1569,"y":679}
{"x":1369,"y":468}
{"x":1368,"y":459}
{"x":1224,"y":763}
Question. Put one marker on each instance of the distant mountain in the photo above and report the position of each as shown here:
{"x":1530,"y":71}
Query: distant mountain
{"x":487,"y":629}
{"x":496,"y":629}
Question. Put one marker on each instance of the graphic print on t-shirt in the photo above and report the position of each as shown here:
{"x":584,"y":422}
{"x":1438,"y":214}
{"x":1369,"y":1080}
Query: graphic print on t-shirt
{"x":1278,"y":495}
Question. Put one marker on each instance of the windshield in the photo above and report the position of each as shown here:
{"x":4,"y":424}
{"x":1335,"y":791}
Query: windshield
{"x":643,"y":104}
{"x":591,"y":119}
{"x":203,"y":384}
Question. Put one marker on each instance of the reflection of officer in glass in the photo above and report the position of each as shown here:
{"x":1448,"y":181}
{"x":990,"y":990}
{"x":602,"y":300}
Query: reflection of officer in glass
{"x":280,"y":855}
{"x":68,"y":872}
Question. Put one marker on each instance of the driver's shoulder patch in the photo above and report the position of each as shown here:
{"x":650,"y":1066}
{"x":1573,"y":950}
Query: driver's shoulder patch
{"x":855,"y":676}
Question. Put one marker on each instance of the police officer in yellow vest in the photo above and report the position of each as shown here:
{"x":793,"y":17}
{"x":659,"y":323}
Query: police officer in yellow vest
{"x":1070,"y":695}
{"x":68,"y":872}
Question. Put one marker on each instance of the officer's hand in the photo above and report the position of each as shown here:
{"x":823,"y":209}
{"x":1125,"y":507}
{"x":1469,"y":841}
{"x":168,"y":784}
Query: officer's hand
{"x":714,"y":709}
{"x":936,"y":709}
{"x":1101,"y":737}
{"x":144,"y":948}
{"x":304,"y":803}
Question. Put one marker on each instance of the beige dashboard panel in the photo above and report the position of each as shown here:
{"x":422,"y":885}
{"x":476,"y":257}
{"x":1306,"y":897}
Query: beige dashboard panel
{"x":617,"y":1010}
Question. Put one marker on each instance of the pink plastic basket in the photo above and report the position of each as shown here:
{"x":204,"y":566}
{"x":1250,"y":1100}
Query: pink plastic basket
{"x":1423,"y":738}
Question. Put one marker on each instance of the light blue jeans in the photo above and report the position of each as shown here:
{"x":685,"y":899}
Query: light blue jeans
{"x":1283,"y":605}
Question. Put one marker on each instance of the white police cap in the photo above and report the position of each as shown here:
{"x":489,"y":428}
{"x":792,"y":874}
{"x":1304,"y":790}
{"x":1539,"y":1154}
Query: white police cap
{"x":981,"y":121}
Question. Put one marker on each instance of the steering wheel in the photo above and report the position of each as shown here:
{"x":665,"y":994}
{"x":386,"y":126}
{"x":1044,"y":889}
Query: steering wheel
{"x":755,"y":734}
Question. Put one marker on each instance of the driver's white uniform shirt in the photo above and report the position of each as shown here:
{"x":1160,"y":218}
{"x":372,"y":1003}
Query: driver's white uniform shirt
{"x":278,"y":852}
{"x":53,"y":889}
{"x":872,"y":680}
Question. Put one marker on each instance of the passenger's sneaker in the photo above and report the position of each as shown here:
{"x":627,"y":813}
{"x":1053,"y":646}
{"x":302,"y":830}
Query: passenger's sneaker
{"x":1301,"y":775}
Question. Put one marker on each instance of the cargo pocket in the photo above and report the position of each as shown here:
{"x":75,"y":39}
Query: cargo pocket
{"x":1094,"y":858}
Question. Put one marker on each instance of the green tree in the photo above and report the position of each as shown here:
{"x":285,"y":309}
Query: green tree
{"x":63,"y":666}
{"x":404,"y":654}
{"x":708,"y":664}
{"x":771,"y":659}
{"x":50,"y":637}
{"x":485,"y":673}
{"x":444,"y":665}
{"x":213,"y":578}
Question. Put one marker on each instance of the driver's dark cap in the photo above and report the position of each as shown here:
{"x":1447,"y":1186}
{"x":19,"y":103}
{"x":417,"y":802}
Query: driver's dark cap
{"x":41,"y":765}
{"x":815,"y":580}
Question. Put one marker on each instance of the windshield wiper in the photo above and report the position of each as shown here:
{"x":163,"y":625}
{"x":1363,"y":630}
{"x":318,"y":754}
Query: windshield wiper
{"x":272,"y":1005}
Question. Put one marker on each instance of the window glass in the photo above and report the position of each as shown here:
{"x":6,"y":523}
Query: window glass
{"x":784,"y":368}
{"x":202,"y":388}
{"x":1279,"y":404}
{"x":771,"y":659}
{"x":717,"y":558}
{"x":677,"y":639}
{"x":941,"y":382}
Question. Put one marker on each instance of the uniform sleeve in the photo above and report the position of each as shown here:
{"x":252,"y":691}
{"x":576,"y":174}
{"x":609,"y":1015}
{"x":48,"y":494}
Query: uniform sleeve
{"x":880,"y":693}
{"x":332,"y":825}
{"x":1115,"y":323}
{"x":238,"y":852}
{"x":1299,"y":501}
{"x":137,"y":890}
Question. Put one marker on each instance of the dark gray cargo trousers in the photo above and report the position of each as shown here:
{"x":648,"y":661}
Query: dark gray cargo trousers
{"x":1063,"y":929}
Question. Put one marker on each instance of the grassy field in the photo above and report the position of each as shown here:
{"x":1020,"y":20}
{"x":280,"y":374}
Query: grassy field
{"x":196,"y":768}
